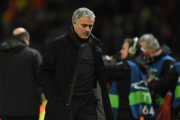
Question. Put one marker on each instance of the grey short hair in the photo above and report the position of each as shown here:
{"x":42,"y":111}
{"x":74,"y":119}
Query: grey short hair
{"x":128,"y":40}
{"x":150,"y":40}
{"x":82,"y":11}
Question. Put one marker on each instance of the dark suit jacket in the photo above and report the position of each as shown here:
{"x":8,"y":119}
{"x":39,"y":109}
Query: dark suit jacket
{"x":58,"y":74}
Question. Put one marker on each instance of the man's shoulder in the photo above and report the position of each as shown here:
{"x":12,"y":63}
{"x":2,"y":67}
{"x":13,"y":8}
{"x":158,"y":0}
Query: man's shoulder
{"x":60,"y":38}
{"x":32,"y":51}
{"x":163,"y":58}
{"x":95,"y":41}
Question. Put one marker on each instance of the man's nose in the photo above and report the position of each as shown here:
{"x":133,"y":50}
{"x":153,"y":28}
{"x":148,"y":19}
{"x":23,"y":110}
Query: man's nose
{"x":120,"y":51}
{"x":88,"y":29}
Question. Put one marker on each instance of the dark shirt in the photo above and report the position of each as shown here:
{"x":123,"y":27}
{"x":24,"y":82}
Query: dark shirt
{"x":84,"y":83}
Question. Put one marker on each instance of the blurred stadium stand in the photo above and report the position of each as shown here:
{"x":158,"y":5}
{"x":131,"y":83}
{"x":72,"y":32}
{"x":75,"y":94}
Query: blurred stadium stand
{"x":115,"y":20}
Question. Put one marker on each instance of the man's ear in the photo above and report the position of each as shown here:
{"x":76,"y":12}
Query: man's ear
{"x":25,"y":39}
{"x":73,"y":22}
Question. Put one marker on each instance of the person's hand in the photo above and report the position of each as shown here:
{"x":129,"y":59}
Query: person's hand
{"x":149,"y":80}
{"x":109,"y":58}
{"x":108,"y":86}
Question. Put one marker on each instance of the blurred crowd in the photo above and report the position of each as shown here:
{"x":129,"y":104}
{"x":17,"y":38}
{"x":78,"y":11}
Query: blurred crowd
{"x":115,"y":20}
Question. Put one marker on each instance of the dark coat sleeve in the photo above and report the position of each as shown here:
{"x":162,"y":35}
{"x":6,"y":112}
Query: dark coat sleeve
{"x":168,"y":77}
{"x":47,"y":71}
{"x":36,"y":61}
{"x":117,"y":70}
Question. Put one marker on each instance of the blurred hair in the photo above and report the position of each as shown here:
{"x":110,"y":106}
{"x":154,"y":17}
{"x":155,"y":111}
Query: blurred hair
{"x":82,"y":11}
{"x":21,"y":35}
{"x":150,"y":40}
{"x":129,"y":40}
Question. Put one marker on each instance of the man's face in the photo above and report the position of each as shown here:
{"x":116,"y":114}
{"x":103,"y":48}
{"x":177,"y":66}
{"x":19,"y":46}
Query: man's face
{"x":84,"y":27}
{"x":149,"y":51}
{"x":27,"y":41}
{"x":124,"y":50}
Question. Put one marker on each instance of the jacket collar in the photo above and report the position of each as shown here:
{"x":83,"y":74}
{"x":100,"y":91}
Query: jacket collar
{"x":92,"y":39}
{"x":12,"y":45}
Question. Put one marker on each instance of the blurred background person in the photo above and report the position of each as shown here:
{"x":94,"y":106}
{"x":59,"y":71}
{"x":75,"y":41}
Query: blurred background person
{"x":120,"y":76}
{"x":176,"y":102}
{"x":162,"y":72}
{"x":19,"y":91}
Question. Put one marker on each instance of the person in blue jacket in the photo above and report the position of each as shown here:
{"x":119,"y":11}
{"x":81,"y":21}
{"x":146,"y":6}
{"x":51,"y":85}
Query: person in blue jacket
{"x":162,"y":72}
{"x":121,"y":74}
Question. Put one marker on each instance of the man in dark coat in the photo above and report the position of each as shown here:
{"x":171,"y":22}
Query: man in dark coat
{"x":72,"y":74}
{"x":19,"y":91}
